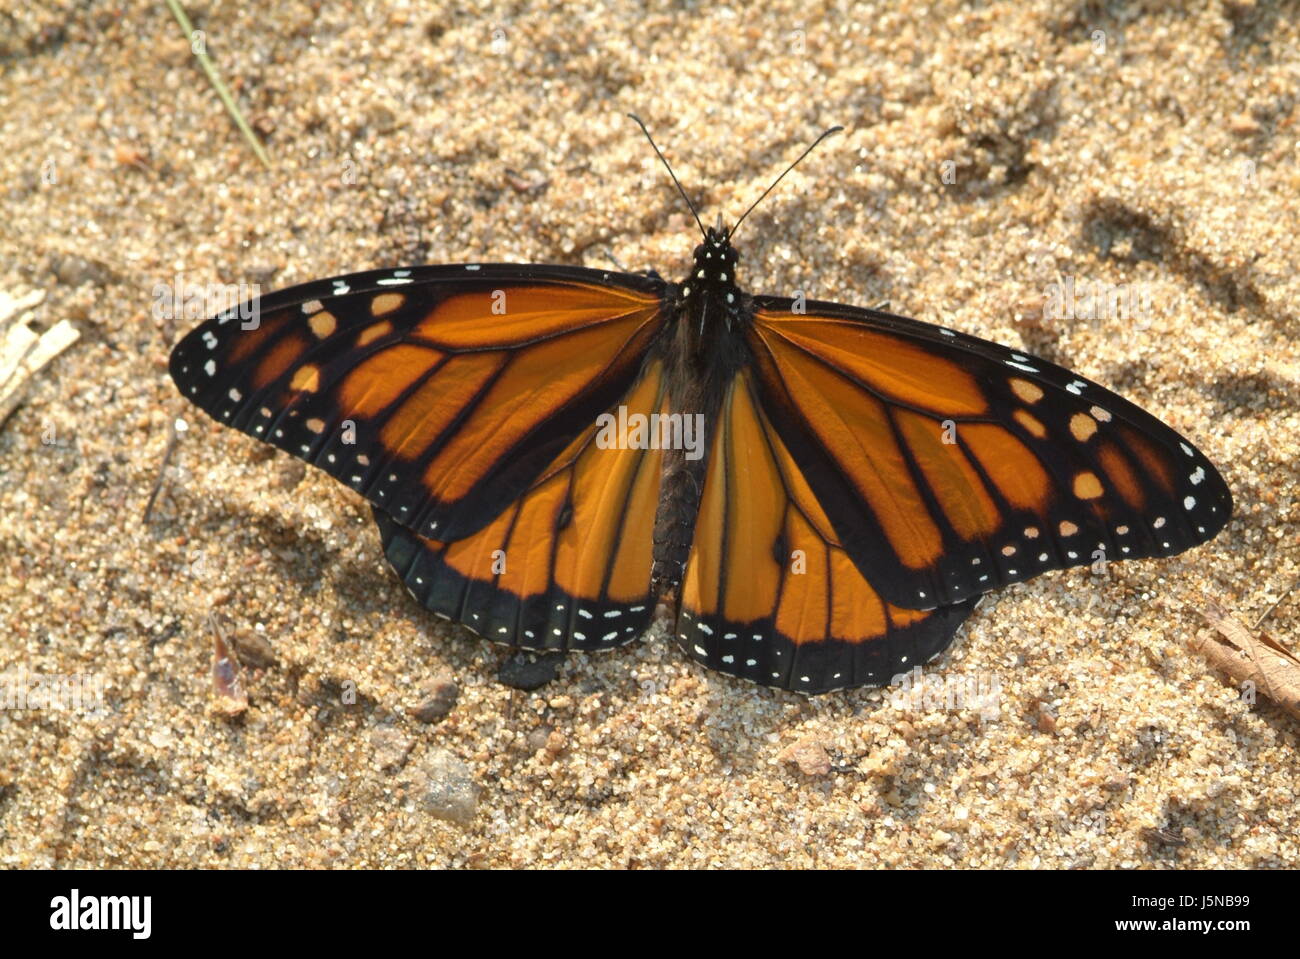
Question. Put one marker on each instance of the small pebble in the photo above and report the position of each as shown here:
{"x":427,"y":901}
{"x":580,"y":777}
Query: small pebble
{"x":445,"y":788}
{"x":389,"y":746}
{"x":438,"y":699}
{"x":809,"y":755}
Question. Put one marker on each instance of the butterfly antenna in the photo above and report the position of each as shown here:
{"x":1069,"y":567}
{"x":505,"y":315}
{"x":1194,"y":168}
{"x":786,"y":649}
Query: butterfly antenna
{"x":811,"y":147}
{"x":671,"y":173}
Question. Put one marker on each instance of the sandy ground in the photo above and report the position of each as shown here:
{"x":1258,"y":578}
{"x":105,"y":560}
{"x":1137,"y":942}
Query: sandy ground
{"x":1153,"y":149}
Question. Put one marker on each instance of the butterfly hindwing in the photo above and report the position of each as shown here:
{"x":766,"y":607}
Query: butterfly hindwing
{"x":439,"y":393}
{"x":950,"y":466}
{"x":769,"y":593}
{"x":565,"y":566}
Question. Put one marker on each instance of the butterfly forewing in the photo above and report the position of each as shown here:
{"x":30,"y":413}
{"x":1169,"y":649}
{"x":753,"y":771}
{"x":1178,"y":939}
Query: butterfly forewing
{"x":440,"y":393}
{"x":949,"y":466}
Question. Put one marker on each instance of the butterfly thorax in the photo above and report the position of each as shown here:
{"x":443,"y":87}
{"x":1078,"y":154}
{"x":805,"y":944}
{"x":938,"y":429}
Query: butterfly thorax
{"x":709,"y":295}
{"x":704,"y":345}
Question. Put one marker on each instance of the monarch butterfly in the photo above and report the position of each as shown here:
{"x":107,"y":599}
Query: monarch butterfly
{"x":813,"y":496}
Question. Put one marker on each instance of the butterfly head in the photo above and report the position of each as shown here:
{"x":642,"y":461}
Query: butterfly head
{"x":714,"y":269}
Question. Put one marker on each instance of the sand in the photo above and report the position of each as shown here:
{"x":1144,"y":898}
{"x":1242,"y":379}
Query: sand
{"x":1159,"y":156}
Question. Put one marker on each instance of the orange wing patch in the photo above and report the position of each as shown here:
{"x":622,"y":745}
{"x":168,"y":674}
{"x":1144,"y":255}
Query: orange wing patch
{"x":523,"y":314}
{"x":279,"y":359}
{"x":894,"y":369}
{"x":1152,"y":461}
{"x":1010,"y":464}
{"x":950,"y":474}
{"x":378,"y":381}
{"x":1122,"y":477}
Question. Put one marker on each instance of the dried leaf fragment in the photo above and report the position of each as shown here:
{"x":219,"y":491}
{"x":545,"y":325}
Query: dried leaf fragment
{"x":1273,"y":669}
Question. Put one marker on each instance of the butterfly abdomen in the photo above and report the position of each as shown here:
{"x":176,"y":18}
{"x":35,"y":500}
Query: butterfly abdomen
{"x":694,"y":399}
{"x":679,"y":504}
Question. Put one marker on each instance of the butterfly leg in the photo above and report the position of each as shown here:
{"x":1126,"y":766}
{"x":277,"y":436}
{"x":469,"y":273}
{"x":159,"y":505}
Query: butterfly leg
{"x":609,"y":255}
